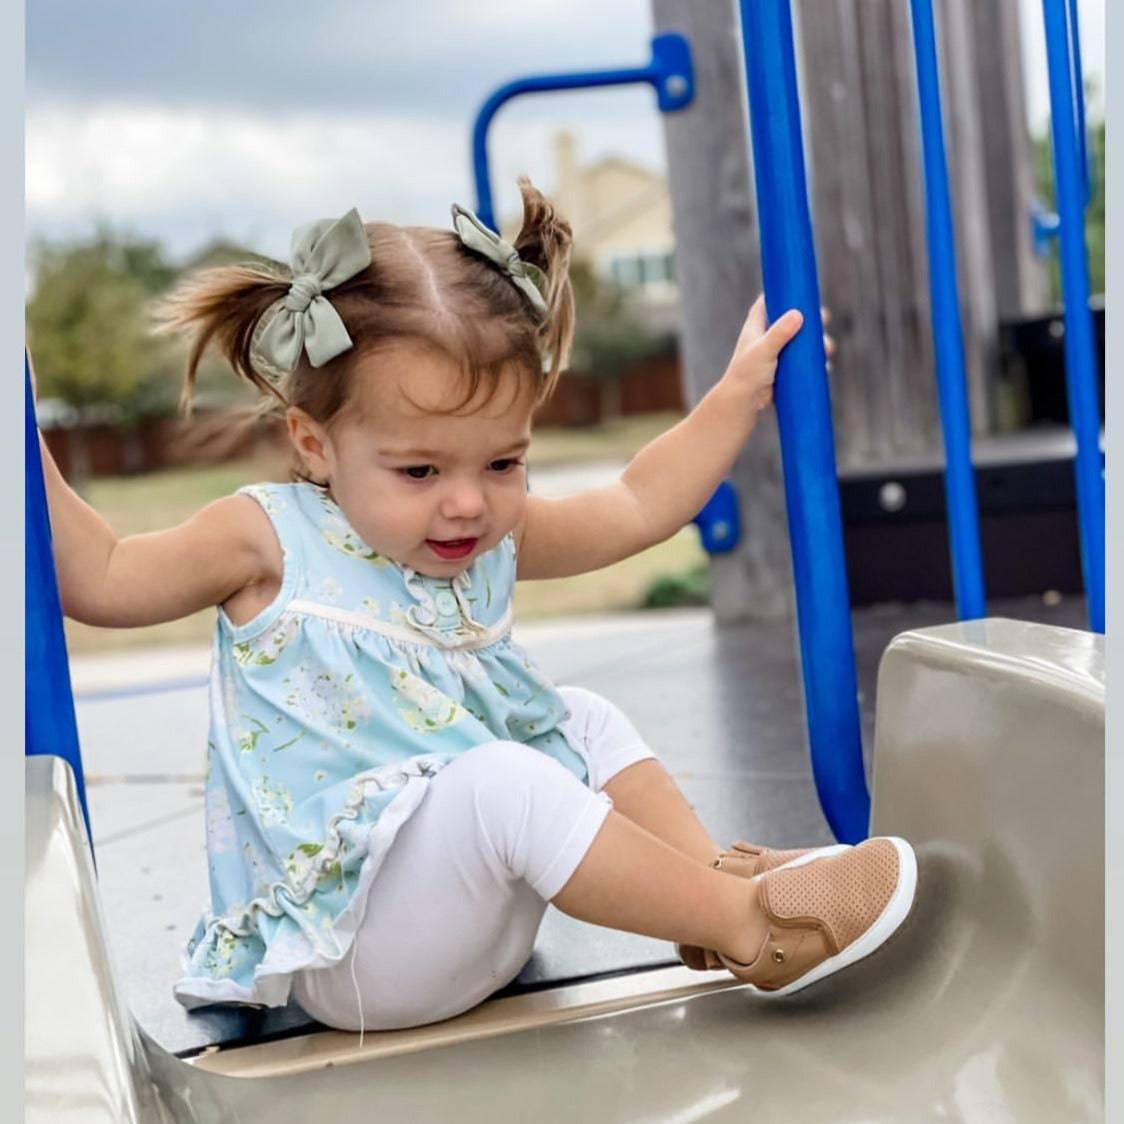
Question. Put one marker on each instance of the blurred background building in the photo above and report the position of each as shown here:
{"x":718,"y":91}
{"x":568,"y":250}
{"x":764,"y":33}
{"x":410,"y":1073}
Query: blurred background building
{"x":621,"y":215}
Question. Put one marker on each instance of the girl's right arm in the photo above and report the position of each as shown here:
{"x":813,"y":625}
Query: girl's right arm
{"x":227,"y":547}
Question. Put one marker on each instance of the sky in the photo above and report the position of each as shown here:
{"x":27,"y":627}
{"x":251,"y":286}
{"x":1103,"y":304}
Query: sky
{"x":184,"y":122}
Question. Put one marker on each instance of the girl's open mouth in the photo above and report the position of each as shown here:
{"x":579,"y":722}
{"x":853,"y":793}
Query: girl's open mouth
{"x":451,"y":548}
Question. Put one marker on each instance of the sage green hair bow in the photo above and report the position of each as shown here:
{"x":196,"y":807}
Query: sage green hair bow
{"x":476,"y":236}
{"x":324,"y":254}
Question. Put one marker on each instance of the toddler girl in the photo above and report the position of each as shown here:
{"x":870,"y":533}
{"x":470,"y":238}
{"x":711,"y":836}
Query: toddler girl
{"x":394,"y":791}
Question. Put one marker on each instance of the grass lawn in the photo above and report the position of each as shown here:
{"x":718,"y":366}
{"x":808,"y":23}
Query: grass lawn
{"x":157,"y":500}
{"x":618,"y":440}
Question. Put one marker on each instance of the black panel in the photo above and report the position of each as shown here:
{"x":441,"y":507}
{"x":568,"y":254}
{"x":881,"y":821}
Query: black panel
{"x":1028,"y":531}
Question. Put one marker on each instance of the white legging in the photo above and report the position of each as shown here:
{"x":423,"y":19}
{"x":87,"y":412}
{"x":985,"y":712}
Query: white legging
{"x":453,"y":913}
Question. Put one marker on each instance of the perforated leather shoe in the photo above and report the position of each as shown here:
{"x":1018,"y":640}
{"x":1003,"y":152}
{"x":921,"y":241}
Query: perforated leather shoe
{"x":747,"y":860}
{"x":828,"y":914}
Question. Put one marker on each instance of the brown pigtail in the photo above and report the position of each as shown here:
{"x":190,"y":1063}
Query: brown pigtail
{"x":544,"y":240}
{"x":222,"y":306}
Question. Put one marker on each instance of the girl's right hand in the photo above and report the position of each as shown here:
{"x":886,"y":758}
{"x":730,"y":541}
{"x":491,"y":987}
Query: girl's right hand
{"x":754,"y":362}
{"x":753,"y":366}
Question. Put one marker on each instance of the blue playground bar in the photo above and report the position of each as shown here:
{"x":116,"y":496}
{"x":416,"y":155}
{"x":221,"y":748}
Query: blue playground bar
{"x":948,"y":337}
{"x":1071,"y":172}
{"x":669,"y":73}
{"x":49,"y":722}
{"x":815,"y":524}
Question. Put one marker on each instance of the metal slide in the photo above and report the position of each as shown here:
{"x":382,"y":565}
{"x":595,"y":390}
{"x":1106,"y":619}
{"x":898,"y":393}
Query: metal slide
{"x":988,"y":1004}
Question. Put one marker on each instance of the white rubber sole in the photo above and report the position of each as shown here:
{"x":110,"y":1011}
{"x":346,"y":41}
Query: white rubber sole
{"x":888,"y":922}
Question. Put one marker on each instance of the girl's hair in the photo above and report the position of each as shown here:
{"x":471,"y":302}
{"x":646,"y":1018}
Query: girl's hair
{"x":423,"y":286}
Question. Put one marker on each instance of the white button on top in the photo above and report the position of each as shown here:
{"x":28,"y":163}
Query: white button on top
{"x":446,"y":603}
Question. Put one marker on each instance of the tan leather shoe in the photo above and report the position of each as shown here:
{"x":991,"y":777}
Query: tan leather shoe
{"x":828,"y":914}
{"x":747,"y":860}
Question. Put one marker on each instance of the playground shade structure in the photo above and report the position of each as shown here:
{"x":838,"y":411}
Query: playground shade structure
{"x":989,"y":756}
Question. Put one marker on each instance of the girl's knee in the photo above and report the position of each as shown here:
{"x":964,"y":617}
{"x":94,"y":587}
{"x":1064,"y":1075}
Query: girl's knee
{"x":608,"y":738}
{"x":595,"y":714}
{"x":581,"y":699}
{"x":521,"y":802}
{"x":499,"y":780}
{"x":507,"y":759}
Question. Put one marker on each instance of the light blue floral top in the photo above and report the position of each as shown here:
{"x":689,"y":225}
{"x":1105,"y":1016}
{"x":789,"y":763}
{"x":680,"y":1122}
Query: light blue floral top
{"x":330,"y":712}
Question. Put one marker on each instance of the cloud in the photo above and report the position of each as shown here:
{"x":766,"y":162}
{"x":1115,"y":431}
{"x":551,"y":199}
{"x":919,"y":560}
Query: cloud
{"x":242,"y":174}
{"x":436,"y":56}
{"x":185,"y":175}
{"x":185,"y":122}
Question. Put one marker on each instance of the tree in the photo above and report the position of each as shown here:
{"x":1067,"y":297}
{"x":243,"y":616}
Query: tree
{"x":89,"y":327}
{"x":87,"y":324}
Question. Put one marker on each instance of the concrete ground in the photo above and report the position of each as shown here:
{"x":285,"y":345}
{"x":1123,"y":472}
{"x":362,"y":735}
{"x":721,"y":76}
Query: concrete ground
{"x":721,"y":706}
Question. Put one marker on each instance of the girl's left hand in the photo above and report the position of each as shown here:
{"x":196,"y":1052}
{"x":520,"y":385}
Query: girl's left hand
{"x":754,"y":362}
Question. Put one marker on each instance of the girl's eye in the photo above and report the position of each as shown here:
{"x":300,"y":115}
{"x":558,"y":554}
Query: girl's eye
{"x":422,"y":471}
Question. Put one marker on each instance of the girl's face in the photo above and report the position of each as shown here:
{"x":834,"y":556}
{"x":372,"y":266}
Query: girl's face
{"x":431,"y":491}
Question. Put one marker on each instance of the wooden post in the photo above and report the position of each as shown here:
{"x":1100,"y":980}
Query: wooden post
{"x":718,"y":273}
{"x":1021,"y":280}
{"x":869,"y":223}
{"x":859,"y":93}
{"x":860,"y":120}
{"x":963,"y":114}
{"x":861,"y":128}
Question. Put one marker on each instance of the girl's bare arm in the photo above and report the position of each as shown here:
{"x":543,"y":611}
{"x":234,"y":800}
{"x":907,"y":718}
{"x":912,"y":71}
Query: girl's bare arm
{"x":667,"y":483}
{"x":145,"y":579}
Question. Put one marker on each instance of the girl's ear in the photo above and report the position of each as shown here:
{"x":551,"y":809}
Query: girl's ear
{"x":310,"y":440}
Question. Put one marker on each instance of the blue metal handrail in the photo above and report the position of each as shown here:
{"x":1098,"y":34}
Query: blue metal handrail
{"x":948,"y":339}
{"x":1044,"y":225}
{"x":669,"y":72}
{"x":1077,"y":94}
{"x":1081,"y":369}
{"x":49,"y":722}
{"x":815,"y":525}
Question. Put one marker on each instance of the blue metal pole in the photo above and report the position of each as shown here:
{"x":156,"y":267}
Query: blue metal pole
{"x":1077,"y":84}
{"x":49,"y":722}
{"x":815,"y":525}
{"x":948,"y":340}
{"x":1080,"y":357}
{"x":669,"y":72}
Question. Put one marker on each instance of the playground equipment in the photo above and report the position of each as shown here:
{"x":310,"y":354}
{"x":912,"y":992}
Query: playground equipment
{"x":668,"y":72}
{"x":802,"y":403}
{"x":989,"y":733}
{"x":49,"y":724}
